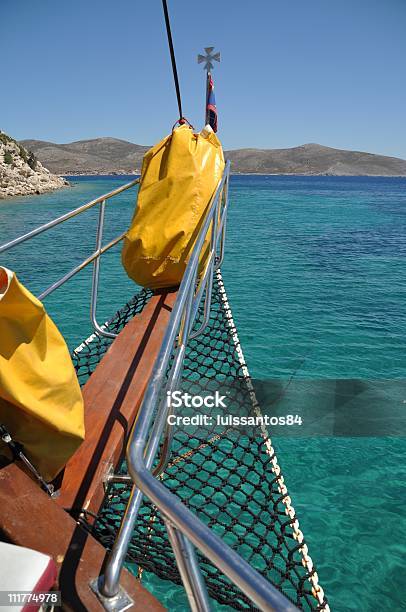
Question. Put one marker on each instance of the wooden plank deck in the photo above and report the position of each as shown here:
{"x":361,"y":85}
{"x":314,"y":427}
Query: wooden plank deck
{"x":112,"y":398}
{"x":30,"y":518}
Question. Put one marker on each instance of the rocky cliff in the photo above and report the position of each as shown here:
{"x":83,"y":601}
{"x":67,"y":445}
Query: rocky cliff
{"x":21,"y":173}
{"x":97,"y":156}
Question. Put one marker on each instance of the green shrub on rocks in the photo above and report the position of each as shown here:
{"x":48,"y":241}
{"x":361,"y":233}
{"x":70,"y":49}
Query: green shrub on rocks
{"x":32,"y":161}
{"x":23,"y":153}
{"x":5,"y":139}
{"x":8,"y":158}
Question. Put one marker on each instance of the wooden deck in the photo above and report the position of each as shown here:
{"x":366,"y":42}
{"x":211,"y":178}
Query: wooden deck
{"x":28,"y":517}
{"x":112,"y":397}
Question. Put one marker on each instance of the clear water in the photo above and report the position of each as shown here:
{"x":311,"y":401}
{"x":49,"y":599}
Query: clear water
{"x":315,"y":273}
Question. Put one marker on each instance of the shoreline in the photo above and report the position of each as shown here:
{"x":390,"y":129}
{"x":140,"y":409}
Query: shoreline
{"x":136,"y":174}
{"x":46,"y":191}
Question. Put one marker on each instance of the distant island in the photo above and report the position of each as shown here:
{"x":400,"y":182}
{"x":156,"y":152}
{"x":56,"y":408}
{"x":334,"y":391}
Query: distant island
{"x":21,"y":173}
{"x":111,"y":155}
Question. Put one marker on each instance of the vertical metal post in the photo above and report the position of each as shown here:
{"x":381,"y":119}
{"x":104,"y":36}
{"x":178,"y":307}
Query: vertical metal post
{"x":96,"y":275}
{"x":209,"y":283}
{"x":189,"y":569}
{"x":111,"y":579}
{"x":223,"y":229}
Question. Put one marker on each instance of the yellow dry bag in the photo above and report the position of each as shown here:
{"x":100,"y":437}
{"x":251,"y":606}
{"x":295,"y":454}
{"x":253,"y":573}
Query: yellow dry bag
{"x":41,"y":403}
{"x":178,"y":179}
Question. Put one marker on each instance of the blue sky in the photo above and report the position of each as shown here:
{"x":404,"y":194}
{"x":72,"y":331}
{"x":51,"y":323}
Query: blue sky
{"x":324,"y":71}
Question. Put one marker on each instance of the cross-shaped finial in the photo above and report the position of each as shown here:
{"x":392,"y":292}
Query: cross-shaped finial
{"x":208,"y":59}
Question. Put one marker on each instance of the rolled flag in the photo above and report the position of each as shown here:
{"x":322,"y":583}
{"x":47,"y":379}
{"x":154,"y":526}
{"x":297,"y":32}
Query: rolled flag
{"x":211,"y":110}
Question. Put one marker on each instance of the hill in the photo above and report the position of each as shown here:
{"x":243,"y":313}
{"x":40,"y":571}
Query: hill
{"x":98,"y":156}
{"x":315,"y":159}
{"x":21,"y":173}
{"x":107,"y":155}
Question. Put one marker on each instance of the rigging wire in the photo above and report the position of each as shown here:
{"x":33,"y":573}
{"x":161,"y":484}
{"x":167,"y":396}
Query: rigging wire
{"x":173,"y":60}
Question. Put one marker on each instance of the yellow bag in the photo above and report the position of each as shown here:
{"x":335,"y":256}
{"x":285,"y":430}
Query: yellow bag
{"x":41,"y":403}
{"x":178,"y":178}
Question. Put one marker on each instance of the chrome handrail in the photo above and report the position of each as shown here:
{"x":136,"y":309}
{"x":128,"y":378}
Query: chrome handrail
{"x":183,"y":527}
{"x":94,"y":257}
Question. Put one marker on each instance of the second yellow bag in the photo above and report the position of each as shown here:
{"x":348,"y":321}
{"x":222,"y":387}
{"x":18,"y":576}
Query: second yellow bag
{"x":178,"y":179}
{"x":41,"y":403}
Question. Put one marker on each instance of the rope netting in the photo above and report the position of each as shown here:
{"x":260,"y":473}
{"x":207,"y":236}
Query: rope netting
{"x":228,"y":476}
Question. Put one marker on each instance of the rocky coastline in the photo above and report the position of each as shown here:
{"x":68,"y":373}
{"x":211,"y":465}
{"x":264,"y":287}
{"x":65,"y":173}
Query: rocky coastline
{"x":21,"y":173}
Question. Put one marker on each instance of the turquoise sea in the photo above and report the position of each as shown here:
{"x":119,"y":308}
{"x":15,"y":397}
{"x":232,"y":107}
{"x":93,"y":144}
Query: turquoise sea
{"x":316,"y":277}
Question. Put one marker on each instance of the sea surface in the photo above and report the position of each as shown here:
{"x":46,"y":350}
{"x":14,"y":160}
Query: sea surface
{"x":316,"y":277}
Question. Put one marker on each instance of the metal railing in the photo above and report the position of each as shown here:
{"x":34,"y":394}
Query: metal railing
{"x":185,"y":530}
{"x":94,"y":257}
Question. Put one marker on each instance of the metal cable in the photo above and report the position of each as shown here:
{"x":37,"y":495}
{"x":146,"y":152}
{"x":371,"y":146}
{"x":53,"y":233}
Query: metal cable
{"x":173,"y":60}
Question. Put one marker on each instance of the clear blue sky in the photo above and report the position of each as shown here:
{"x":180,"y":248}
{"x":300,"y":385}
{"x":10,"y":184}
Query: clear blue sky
{"x":326,"y":71}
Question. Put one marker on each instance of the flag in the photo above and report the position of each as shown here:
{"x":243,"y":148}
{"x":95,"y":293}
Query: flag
{"x":211,"y":110}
